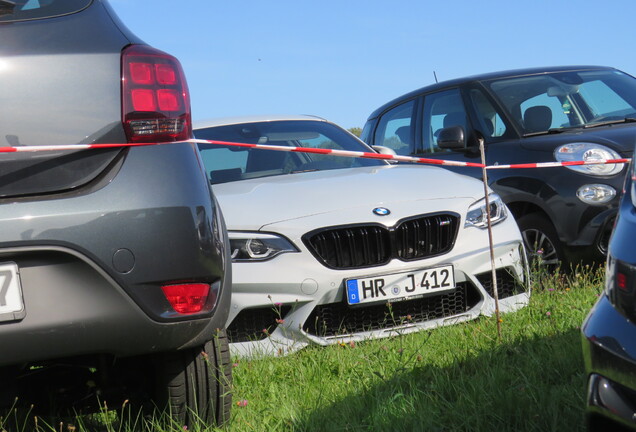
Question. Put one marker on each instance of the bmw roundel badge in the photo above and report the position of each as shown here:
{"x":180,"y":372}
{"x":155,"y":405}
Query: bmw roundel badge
{"x":381,"y":211}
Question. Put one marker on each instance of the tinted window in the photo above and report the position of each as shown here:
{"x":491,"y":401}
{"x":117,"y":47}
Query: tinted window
{"x":490,"y":121}
{"x":366,"y":131}
{"x":394,"y":129}
{"x":231,"y":163}
{"x":558,"y":112}
{"x":18,"y":10}
{"x":441,"y":110}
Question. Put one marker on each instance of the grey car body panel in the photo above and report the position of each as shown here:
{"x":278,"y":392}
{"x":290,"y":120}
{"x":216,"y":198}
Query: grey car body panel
{"x":142,"y":210}
{"x":37,"y":107}
{"x":96,"y":233}
{"x":84,"y":49}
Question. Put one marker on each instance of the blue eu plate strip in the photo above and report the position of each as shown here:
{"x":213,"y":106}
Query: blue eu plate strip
{"x":352,"y":291}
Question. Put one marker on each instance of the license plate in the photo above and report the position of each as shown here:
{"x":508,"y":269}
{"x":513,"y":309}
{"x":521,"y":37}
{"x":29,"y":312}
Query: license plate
{"x":400,"y":286}
{"x":10,"y":292}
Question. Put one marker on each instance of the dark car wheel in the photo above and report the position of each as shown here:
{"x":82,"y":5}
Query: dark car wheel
{"x":196,"y":384}
{"x":542,"y":243}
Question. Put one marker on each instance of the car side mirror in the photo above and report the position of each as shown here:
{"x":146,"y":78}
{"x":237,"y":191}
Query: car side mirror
{"x":452,"y":138}
{"x":384,"y":150}
{"x":387,"y":151}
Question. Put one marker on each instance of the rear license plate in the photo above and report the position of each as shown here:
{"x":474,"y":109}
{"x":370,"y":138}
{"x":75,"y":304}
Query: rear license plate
{"x":10,"y":292}
{"x":400,"y":286}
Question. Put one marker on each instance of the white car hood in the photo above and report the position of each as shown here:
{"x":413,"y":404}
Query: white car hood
{"x":253,"y":204}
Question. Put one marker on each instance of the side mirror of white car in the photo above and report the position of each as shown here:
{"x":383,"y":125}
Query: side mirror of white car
{"x":385,"y":150}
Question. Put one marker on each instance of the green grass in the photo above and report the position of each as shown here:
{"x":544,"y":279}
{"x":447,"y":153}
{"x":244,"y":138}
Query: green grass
{"x":456,"y":378}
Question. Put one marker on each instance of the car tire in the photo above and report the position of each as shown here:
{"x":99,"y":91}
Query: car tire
{"x":543,"y":246}
{"x":195,"y":384}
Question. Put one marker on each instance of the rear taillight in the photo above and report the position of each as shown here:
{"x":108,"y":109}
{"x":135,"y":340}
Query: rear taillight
{"x":187,"y":298}
{"x":155,"y":98}
{"x":621,"y":281}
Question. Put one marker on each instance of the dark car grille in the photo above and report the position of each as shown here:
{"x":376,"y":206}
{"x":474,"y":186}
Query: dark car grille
{"x":507,"y":284}
{"x":360,"y":246}
{"x":255,"y":324}
{"x":337,"y":318}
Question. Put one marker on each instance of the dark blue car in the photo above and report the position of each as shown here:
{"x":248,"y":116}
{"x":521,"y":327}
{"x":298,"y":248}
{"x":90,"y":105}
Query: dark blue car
{"x":609,"y":331}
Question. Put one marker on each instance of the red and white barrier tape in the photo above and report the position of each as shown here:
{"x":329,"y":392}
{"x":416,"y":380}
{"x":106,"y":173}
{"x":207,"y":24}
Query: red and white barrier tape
{"x":410,"y":158}
{"x":27,"y":149}
{"x":345,"y":153}
{"x":335,"y":152}
{"x":559,"y":164}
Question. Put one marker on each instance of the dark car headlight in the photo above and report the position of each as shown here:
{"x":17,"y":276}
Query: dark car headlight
{"x":254,"y":246}
{"x":589,"y":152}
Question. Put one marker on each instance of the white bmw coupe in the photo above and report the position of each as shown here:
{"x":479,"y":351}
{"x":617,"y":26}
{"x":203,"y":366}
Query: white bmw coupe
{"x":329,"y":249}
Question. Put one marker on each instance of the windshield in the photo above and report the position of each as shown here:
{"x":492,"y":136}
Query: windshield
{"x":552,"y":102}
{"x":231,"y":163}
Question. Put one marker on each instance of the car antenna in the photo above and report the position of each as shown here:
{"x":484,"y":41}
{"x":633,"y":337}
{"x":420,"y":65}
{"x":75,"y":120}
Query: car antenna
{"x":435,"y":75}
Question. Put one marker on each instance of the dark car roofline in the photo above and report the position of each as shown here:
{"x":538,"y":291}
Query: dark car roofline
{"x":482,"y":77}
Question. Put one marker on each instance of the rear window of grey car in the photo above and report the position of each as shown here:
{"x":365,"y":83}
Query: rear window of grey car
{"x":23,"y":10}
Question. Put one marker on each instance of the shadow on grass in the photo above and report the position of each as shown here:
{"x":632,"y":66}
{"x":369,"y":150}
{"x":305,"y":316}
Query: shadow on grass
{"x":534,"y":384}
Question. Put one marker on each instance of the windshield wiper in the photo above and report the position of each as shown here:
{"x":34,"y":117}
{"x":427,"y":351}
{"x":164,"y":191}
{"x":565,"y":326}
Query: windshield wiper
{"x":610,"y":122}
{"x":548,"y":132}
{"x":583,"y":126}
{"x":303,"y":170}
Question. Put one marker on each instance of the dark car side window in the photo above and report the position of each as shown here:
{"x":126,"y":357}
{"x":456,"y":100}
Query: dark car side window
{"x":441,"y":110}
{"x":394,"y":129}
{"x":491,"y":123}
{"x":22,"y":10}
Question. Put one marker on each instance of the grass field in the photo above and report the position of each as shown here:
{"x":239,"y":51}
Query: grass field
{"x":457,"y":378}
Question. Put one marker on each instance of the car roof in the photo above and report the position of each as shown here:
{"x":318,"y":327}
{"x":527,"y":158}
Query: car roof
{"x":483,"y":77}
{"x":226,"y":121}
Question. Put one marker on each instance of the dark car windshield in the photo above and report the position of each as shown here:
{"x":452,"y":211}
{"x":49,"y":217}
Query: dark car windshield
{"x":20,"y":10}
{"x":231,"y":163}
{"x":552,"y":102}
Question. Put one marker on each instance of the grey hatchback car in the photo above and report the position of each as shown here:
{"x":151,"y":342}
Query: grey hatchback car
{"x":114,"y":273}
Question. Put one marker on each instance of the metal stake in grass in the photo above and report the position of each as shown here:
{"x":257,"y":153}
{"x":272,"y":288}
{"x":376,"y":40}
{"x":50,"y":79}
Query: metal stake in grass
{"x":495,"y":292}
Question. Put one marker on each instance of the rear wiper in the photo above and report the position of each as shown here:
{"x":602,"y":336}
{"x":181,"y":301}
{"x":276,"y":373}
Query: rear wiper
{"x":610,"y":122}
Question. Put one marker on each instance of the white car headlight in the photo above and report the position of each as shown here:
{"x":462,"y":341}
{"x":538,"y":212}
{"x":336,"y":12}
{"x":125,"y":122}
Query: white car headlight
{"x":477,"y":216}
{"x":252,"y":246}
{"x":589,"y":152}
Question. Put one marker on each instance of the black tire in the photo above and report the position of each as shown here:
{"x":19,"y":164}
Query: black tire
{"x":543,"y":247}
{"x":195,"y":385}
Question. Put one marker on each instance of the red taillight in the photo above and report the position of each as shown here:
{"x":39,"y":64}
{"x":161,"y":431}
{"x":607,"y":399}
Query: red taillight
{"x":143,"y":100}
{"x":155,"y":98}
{"x":166,"y":75}
{"x":187,"y":298}
{"x":141,"y":73}
{"x":621,"y":281}
{"x":168,"y":100}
